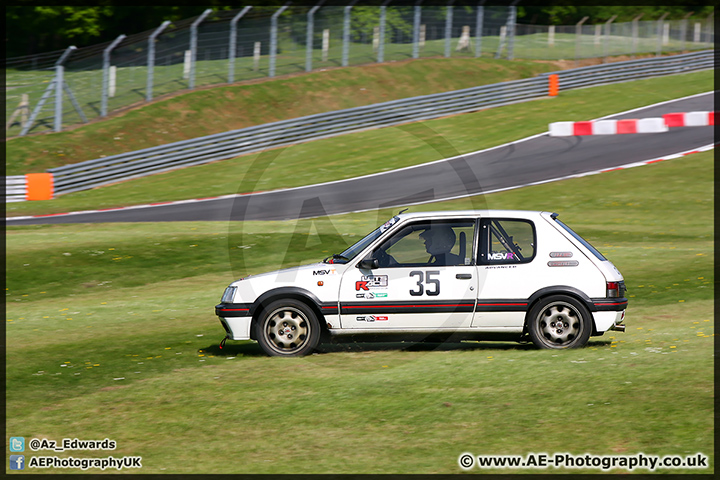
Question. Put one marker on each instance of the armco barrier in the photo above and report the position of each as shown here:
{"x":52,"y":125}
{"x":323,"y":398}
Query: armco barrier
{"x":33,"y":186}
{"x":93,"y":173}
{"x":84,"y":175}
{"x":15,"y":188}
{"x":633,"y":69}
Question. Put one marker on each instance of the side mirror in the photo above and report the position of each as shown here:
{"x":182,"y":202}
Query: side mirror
{"x":368,"y":264}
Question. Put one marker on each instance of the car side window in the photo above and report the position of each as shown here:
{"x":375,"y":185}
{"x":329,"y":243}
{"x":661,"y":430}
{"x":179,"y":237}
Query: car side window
{"x":506,"y":241}
{"x":439,"y":243}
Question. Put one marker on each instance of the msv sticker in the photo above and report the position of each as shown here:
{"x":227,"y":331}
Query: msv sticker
{"x":327,"y":271}
{"x":503,"y":256}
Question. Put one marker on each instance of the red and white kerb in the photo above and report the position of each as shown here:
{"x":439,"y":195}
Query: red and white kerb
{"x":642,"y":125}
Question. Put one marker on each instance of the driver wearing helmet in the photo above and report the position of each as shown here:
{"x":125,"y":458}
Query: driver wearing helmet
{"x":439,"y":240}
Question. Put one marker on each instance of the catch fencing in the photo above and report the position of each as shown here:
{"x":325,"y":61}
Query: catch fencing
{"x":73,"y":86}
{"x":93,"y":173}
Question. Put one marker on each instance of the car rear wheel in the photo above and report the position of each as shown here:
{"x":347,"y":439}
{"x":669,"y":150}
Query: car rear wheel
{"x":559,"y":321}
{"x":287,"y":328}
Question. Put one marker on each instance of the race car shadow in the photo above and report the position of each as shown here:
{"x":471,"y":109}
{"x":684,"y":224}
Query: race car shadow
{"x":245,"y":348}
{"x":418,"y":346}
{"x":252,"y":349}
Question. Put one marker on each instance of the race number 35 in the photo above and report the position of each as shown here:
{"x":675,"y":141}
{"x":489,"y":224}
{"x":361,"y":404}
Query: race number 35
{"x":426,"y":284}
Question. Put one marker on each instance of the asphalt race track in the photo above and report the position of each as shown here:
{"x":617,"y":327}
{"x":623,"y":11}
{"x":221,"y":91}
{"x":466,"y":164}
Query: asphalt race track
{"x":535,"y":159}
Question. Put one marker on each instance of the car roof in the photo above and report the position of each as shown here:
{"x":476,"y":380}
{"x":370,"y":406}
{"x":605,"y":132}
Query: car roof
{"x":472,"y":213}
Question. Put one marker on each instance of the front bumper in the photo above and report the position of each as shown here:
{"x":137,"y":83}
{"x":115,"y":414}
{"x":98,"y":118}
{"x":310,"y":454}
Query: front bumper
{"x":235,"y":319}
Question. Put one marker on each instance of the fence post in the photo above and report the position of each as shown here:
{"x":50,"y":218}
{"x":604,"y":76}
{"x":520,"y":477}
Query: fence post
{"x":710,"y":33}
{"x":59,"y":70}
{"x":478,"y":28}
{"x":309,"y":36}
{"x":381,"y":46}
{"x":151,"y":59}
{"x":273,"y":38}
{"x":607,"y":38}
{"x":683,"y":30}
{"x":578,"y":38}
{"x":193,"y":46}
{"x":448,"y":27}
{"x":346,"y":34}
{"x":233,"y":42}
{"x":635,"y":34}
{"x":106,"y":74}
{"x":416,"y":29}
{"x":511,"y":30}
{"x":659,"y":33}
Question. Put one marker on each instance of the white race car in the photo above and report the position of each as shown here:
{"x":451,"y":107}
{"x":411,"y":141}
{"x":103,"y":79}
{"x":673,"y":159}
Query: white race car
{"x":477,"y":275}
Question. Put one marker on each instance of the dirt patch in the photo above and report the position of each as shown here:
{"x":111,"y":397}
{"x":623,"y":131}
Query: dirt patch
{"x":117,"y":387}
{"x":586,"y":62}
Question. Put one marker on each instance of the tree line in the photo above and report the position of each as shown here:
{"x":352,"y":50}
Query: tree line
{"x":37,"y":29}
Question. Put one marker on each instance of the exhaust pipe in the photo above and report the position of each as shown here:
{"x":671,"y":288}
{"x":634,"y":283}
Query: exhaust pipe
{"x":619,"y":327}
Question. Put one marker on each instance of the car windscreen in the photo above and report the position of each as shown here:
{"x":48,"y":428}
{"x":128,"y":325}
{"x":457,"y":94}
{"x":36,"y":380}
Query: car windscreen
{"x":351,"y":252}
{"x":582,"y":240}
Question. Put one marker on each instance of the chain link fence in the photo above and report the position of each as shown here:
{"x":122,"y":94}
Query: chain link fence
{"x":65,"y":88}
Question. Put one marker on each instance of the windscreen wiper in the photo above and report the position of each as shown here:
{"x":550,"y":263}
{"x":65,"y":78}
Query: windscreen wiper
{"x":335,"y":256}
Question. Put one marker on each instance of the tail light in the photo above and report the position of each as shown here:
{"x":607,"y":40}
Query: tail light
{"x":615,"y":289}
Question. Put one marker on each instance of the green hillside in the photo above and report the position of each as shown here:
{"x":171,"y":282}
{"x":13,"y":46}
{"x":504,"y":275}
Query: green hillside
{"x":219,"y":109}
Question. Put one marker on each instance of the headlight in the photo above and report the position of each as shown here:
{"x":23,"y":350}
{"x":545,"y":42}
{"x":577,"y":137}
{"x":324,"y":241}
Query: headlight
{"x":229,"y":295}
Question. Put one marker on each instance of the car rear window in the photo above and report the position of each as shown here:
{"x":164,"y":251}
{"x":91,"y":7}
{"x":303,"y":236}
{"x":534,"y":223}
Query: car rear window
{"x":582,"y":240}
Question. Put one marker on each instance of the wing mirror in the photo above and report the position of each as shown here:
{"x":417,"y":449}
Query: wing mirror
{"x":368,"y":264}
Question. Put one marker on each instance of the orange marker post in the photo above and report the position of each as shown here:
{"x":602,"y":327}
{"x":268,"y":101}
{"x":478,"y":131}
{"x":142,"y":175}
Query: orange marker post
{"x":553,"y":85}
{"x":39,"y":186}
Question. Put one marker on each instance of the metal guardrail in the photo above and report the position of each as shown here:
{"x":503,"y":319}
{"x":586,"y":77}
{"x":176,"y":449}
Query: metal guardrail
{"x":634,"y":69}
{"x":93,"y":173}
{"x":84,"y":175}
{"x":15,"y":188}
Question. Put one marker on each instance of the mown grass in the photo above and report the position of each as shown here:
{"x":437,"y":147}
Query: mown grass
{"x":136,"y":360}
{"x":377,"y":150}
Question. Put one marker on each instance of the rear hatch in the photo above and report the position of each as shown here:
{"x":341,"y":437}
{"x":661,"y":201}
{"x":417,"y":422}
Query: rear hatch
{"x":615,"y":281}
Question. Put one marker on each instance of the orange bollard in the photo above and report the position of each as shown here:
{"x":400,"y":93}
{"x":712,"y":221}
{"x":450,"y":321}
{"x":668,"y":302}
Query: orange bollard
{"x":39,"y":186}
{"x":553,"y":85}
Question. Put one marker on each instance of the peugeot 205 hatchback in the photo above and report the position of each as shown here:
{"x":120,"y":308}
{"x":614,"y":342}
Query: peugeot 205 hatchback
{"x":475,"y":275}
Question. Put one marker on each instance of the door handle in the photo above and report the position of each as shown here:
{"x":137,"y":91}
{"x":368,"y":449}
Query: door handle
{"x":463,"y":276}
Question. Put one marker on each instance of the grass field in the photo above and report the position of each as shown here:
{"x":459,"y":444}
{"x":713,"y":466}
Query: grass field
{"x":369,"y":151}
{"x":111,"y":333}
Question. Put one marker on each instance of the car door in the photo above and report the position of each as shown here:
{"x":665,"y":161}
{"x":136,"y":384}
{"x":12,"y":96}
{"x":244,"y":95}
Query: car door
{"x":507,"y":274}
{"x":425,"y":279}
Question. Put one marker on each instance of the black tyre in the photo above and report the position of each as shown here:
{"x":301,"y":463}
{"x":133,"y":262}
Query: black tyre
{"x":287,"y":328}
{"x":559,"y":321}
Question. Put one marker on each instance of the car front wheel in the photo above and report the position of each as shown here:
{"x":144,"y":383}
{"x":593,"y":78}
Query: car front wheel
{"x":559,"y":321}
{"x":287,"y":328}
